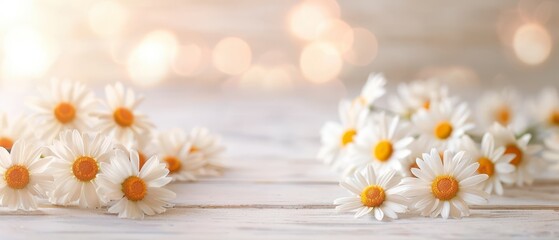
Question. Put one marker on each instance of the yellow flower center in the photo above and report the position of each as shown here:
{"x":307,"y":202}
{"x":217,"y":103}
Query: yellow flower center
{"x":443,"y":130}
{"x":383,"y":150}
{"x":347,"y":137}
{"x":444,"y":187}
{"x":427,"y":105}
{"x":6,"y":143}
{"x":142,"y":158}
{"x":373,"y":196}
{"x":17,"y":177}
{"x":503,"y":115}
{"x":123,"y":117}
{"x":486,"y":166}
{"x":65,"y":112}
{"x":134,"y":188}
{"x":511,"y":148}
{"x":173,"y":164}
{"x":194,"y":149}
{"x":554,"y":118}
{"x":85,"y":168}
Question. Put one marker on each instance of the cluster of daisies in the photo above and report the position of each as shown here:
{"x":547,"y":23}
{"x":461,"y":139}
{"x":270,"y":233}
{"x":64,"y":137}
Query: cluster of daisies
{"x":424,"y":152}
{"x":77,"y":150}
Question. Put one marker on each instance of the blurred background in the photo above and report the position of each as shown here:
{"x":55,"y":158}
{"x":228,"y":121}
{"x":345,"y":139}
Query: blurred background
{"x":201,"y":54}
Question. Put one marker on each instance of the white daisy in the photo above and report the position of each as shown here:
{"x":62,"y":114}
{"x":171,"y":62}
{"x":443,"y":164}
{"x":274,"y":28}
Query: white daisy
{"x":14,"y":129}
{"x":526,"y":161}
{"x":174,"y":149}
{"x":337,"y":137}
{"x":138,"y":191}
{"x":372,"y":193}
{"x":551,"y":152}
{"x":503,"y":107}
{"x":75,"y":167}
{"x":145,"y":145}
{"x":444,"y":124}
{"x":122,"y":120}
{"x":492,"y":161}
{"x":62,"y":106}
{"x":546,"y":109}
{"x":420,"y":94}
{"x":373,"y":90}
{"x":209,"y":147}
{"x":383,"y":144}
{"x":24,"y":176}
{"x":444,"y":187}
{"x":417,"y":148}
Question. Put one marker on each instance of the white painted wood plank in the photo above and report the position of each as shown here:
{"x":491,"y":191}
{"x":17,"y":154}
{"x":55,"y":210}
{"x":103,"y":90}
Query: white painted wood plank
{"x":193,"y":223}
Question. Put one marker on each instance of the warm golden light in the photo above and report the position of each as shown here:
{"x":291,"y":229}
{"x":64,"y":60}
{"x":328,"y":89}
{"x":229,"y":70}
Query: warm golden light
{"x":337,"y":33}
{"x":364,"y":48}
{"x":12,"y":12}
{"x":532,"y":43}
{"x":107,"y":18}
{"x":265,"y":77}
{"x":188,"y":60}
{"x":305,"y":18}
{"x":232,"y":56}
{"x":320,"y":62}
{"x":27,"y":54}
{"x":150,"y":61}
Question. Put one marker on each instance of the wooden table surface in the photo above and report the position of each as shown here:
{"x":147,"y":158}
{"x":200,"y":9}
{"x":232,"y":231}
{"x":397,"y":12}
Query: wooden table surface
{"x":276,"y":189}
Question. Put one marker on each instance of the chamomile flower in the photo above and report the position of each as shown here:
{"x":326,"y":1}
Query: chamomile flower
{"x":63,"y":106}
{"x":372,"y":193}
{"x":492,"y":161}
{"x":337,"y":137}
{"x":444,"y":124}
{"x":546,"y":109}
{"x":383,"y":144}
{"x":14,"y":129}
{"x":526,"y":161}
{"x":75,"y":167}
{"x":23,"y":176}
{"x":138,"y":192}
{"x":373,"y":90}
{"x":503,"y":107}
{"x":122,"y":120}
{"x":444,"y":187}
{"x":421,"y":94}
{"x":209,"y":147}
{"x":174,"y":149}
{"x":552,"y":149}
{"x":145,"y":145}
{"x":416,"y":148}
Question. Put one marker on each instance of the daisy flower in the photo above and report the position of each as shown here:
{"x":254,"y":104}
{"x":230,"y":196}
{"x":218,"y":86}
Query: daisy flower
{"x":416,"y":148}
{"x":75,"y":167}
{"x":63,"y":106}
{"x":546,"y":109}
{"x":337,"y":137}
{"x":444,"y":124}
{"x":174,"y":149}
{"x":492,"y":161}
{"x":383,"y":144}
{"x":502,"y":107}
{"x":373,"y":90}
{"x":138,"y":192}
{"x":24,"y":176}
{"x":417,"y":95}
{"x":372,"y":194}
{"x":12,"y":130}
{"x":526,"y":162}
{"x":209,"y":147}
{"x":444,"y":187}
{"x":145,"y":145}
{"x":122,"y":120}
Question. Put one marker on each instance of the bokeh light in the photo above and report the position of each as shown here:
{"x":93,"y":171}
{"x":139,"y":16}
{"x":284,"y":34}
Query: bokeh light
{"x":150,"y":62}
{"x":12,"y":12}
{"x":189,"y":60}
{"x":267,"y":77}
{"x":364,"y":48}
{"x":337,"y":33}
{"x":232,"y":56}
{"x":107,"y":18}
{"x":532,"y":43}
{"x":26,"y":54}
{"x":305,"y":17}
{"x":320,"y":62}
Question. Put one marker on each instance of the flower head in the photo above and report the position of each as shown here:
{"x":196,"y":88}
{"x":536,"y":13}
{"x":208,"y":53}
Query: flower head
{"x":209,"y":147}
{"x":174,"y":149}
